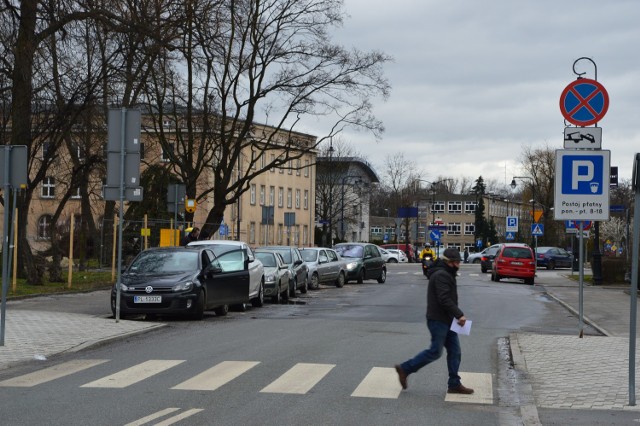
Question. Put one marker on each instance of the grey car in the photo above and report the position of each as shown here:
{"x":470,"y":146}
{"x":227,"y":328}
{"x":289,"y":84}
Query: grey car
{"x":325,"y":266}
{"x":276,"y":275}
{"x":299,"y":270}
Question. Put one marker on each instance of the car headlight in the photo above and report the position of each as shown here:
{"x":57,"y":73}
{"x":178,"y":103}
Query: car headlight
{"x":352,"y":265}
{"x":123,"y":287}
{"x":270,"y":278}
{"x":185,"y":286}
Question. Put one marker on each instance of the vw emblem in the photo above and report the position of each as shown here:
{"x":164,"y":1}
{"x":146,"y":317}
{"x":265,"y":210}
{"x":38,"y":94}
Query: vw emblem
{"x":148,"y":289}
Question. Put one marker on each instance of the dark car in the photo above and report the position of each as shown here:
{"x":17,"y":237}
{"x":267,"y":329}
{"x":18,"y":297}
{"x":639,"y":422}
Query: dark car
{"x":183,"y":281}
{"x":363,"y":262}
{"x":553,"y":257}
{"x":299,"y":269}
{"x":514,"y":261}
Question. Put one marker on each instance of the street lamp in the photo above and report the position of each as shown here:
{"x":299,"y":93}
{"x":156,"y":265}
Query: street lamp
{"x":433,"y":201}
{"x":343,"y":180}
{"x":532,"y":201}
{"x":330,"y":192}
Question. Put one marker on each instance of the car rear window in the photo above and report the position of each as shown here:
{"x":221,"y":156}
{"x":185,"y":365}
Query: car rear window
{"x":517,"y":253}
{"x":309,"y":255}
{"x":267,"y":259}
{"x":349,"y":250}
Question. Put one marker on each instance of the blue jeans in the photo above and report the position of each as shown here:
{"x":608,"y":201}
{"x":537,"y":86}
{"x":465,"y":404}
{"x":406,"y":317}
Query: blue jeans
{"x":441,"y":337}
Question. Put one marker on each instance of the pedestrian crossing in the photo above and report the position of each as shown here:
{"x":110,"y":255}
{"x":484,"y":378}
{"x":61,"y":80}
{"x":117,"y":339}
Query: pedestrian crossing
{"x":300,"y":379}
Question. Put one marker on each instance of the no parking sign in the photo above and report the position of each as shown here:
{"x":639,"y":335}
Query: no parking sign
{"x":584,"y":102}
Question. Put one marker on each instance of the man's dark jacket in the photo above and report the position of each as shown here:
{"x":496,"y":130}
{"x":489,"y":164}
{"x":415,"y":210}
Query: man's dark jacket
{"x":442,"y":293}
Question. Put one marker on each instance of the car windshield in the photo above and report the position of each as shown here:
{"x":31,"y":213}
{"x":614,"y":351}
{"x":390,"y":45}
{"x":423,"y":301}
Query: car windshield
{"x":267,"y":259}
{"x":285,"y":253}
{"x":158,"y":262}
{"x":309,"y":255}
{"x":349,"y":250}
{"x":219,"y":249}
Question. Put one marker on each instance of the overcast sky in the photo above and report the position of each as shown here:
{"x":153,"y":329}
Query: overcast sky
{"x":473,"y":82}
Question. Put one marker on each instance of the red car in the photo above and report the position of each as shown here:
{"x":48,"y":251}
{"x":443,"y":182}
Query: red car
{"x":514,"y":261}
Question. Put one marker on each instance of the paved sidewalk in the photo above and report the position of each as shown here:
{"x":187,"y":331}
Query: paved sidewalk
{"x":36,"y":329}
{"x":581,"y":373}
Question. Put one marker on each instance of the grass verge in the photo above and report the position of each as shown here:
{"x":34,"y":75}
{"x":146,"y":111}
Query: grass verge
{"x":81,"y":281}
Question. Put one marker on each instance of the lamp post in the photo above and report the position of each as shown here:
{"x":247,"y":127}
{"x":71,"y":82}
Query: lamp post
{"x":532,"y":201}
{"x":343,"y":180}
{"x":433,"y":201}
{"x":330,"y":192}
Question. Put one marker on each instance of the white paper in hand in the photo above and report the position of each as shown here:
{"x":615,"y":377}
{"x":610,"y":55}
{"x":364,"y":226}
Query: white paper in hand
{"x":466,"y":330}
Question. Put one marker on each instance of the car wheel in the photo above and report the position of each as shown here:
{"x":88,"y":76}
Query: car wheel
{"x":303,"y":289}
{"x":493,"y":276}
{"x":276,"y":299}
{"x":221,"y":310}
{"x":484,"y":270}
{"x":361,"y":275}
{"x":551,"y":265}
{"x":240,"y":307}
{"x":340,"y":280}
{"x":198,"y":308}
{"x":476,"y":261}
{"x":292,"y":287}
{"x":392,"y":260}
{"x":285,"y":296}
{"x":383,"y":276}
{"x":259,"y":301}
{"x":528,"y":281}
{"x":315,"y":283}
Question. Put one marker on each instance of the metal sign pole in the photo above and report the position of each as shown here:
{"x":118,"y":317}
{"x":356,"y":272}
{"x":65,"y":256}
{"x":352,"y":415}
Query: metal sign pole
{"x":634,"y":283}
{"x":5,"y":241}
{"x":581,"y":278}
{"x":123,"y":154}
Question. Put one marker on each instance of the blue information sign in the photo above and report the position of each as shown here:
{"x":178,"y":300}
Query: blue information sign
{"x":435,"y":235}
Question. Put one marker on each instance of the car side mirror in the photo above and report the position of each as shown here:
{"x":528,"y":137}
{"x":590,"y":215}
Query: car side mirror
{"x":297,"y":262}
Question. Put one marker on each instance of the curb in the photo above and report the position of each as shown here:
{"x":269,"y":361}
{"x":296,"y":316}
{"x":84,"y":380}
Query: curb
{"x":576,"y":313}
{"x":528,"y":412}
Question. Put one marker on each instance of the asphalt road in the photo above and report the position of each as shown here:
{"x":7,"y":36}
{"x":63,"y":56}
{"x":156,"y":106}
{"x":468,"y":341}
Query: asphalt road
{"x":341,"y":342}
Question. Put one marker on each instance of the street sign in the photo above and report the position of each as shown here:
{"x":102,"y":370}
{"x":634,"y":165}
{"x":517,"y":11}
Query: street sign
{"x":582,"y":185}
{"x":616,"y":208}
{"x":512,"y":224}
{"x":437,"y":227}
{"x":586,"y":224}
{"x":510,"y":236}
{"x":479,"y":242}
{"x":537,"y":229}
{"x":435,"y":235}
{"x":584,"y":102}
{"x":583,"y":137}
{"x":223,"y":230}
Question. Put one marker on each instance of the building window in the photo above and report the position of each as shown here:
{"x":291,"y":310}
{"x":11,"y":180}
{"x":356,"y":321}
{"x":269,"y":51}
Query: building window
{"x":306,"y":168}
{"x":166,"y":154}
{"x":298,"y":165}
{"x":273,"y":160}
{"x":305,"y":235}
{"x":279,"y":236}
{"x":376,"y":230}
{"x":253,"y":159}
{"x":280,"y":196}
{"x":252,"y":191}
{"x":469,"y":228}
{"x":79,"y":151}
{"x":44,"y":223}
{"x":252,"y":233}
{"x":289,"y":197}
{"x":297,"y":198}
{"x":453,"y":228}
{"x":75,"y":194}
{"x":306,"y":199}
{"x":272,"y":195}
{"x":48,"y":187}
{"x":263,"y":160}
{"x":470,"y":206}
{"x":46,"y":149}
{"x":437,"y":207}
{"x":262,"y":194}
{"x":290,"y":167}
{"x":455,"y":207}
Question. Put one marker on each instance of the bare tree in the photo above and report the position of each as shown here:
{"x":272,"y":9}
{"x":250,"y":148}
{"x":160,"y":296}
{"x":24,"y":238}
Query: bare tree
{"x":240,"y":62}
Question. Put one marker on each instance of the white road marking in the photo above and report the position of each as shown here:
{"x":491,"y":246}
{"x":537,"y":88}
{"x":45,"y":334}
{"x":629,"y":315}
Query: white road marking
{"x":52,"y":373}
{"x":379,"y":383}
{"x":481,"y":384}
{"x":177,"y":418}
{"x":402,"y":273}
{"x":153,"y":416}
{"x":134,"y":374}
{"x":217,"y":376}
{"x":299,"y":379}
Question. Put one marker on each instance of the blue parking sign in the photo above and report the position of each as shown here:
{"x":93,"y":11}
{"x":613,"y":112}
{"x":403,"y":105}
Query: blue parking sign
{"x":582,"y":174}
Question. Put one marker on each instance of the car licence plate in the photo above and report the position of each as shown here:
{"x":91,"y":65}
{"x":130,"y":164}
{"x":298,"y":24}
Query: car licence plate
{"x":147,"y":299}
{"x":517,"y":263}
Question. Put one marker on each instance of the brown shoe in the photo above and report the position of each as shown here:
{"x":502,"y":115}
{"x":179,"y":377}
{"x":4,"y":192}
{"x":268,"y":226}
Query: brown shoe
{"x":402,"y":376}
{"x":460,"y":389}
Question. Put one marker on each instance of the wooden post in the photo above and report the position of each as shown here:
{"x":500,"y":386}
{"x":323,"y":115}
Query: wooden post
{"x":70,"y":270}
{"x":113,"y":251}
{"x":15,"y":254}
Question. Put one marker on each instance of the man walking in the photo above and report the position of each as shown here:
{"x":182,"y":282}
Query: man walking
{"x":442,"y":308}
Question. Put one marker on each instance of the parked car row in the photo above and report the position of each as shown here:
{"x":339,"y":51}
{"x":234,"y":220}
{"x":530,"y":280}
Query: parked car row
{"x":222,"y":274}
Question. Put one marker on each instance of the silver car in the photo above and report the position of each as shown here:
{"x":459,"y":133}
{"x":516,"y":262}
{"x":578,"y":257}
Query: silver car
{"x":325,"y":266}
{"x":276,"y":275}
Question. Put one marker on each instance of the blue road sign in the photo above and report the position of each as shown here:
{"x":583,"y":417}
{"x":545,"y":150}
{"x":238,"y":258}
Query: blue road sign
{"x":223,"y":230}
{"x":616,"y":208}
{"x":510,"y":236}
{"x":582,"y":174}
{"x":537,"y":229}
{"x":512,"y":224}
{"x":584,"y":102}
{"x":435,"y":235}
{"x":437,"y":227}
{"x":479,"y":242}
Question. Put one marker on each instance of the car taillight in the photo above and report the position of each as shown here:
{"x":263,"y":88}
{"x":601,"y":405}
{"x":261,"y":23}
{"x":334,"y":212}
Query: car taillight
{"x":540,"y":256}
{"x":484,"y":258}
